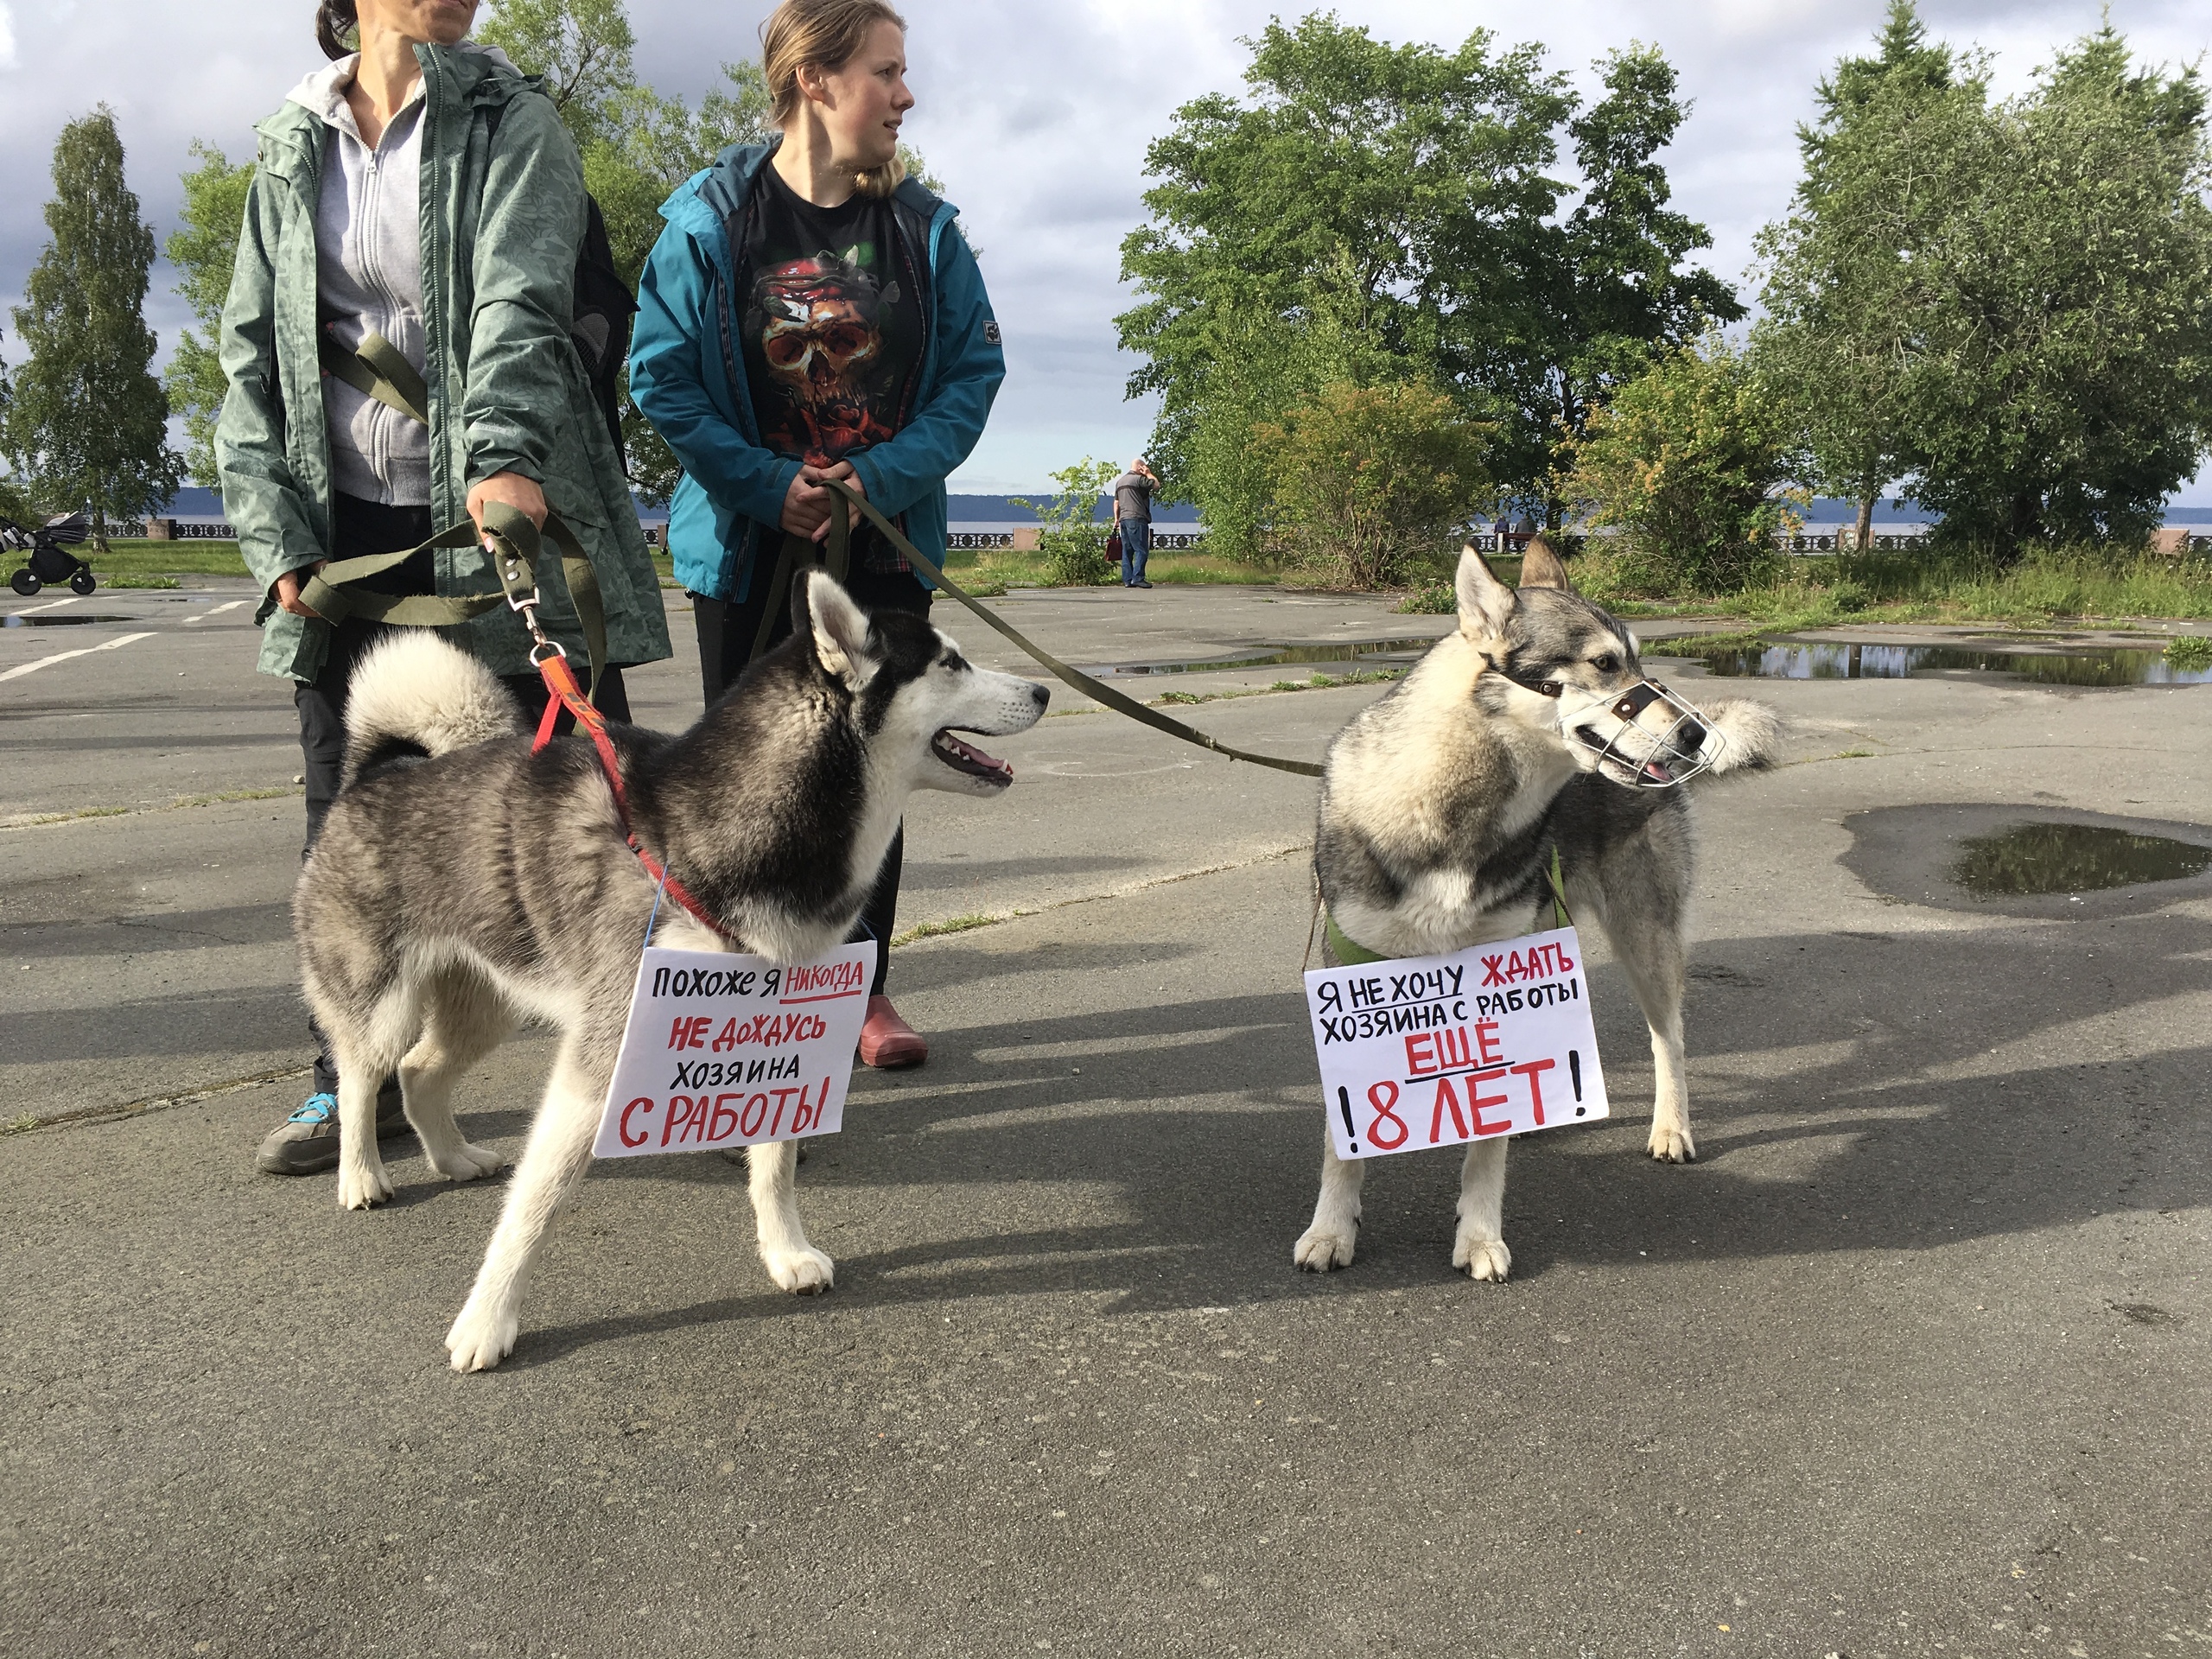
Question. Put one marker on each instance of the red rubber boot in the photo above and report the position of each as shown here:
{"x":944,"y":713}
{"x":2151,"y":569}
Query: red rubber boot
{"x":887,"y":1042}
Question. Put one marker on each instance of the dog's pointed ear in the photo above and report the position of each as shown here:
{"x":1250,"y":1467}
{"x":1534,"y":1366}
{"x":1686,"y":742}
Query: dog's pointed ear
{"x":839,"y":630}
{"x":1484,"y":602}
{"x":1541,"y":567}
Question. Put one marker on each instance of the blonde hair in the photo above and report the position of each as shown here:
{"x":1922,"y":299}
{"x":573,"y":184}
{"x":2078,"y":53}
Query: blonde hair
{"x":827,"y":34}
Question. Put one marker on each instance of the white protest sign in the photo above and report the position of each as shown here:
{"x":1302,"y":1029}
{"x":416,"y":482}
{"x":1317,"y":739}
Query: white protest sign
{"x":1434,"y":1050}
{"x":728,"y":1051}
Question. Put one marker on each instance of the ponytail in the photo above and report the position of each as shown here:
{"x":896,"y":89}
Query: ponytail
{"x":337,"y":28}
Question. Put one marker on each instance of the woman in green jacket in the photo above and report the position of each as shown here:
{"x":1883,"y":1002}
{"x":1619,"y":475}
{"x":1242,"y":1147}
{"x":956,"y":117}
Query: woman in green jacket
{"x":421,"y":190}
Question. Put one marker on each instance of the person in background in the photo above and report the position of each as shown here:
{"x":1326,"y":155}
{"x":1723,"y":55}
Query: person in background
{"x":1132,"y":519}
{"x":809,"y":313}
{"x":314,"y":470}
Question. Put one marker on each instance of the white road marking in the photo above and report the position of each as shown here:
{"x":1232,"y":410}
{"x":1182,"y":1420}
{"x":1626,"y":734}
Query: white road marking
{"x":47,"y":661}
{"x":51,"y":605}
{"x":216,"y":611}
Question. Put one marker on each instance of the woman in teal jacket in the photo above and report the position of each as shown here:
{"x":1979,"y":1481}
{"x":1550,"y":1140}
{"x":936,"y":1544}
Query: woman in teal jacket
{"x":810,"y":312}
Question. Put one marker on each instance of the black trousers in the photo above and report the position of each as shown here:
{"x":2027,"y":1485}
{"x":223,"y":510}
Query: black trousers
{"x":727,"y":630}
{"x":362,"y":527}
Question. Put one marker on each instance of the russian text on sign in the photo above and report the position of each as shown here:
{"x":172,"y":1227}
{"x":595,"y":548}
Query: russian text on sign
{"x":1496,"y":1039}
{"x":730,"y":1051}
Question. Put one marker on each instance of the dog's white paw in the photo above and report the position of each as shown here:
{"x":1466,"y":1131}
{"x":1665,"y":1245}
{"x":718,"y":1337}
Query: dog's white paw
{"x":803,"y":1273}
{"x":1483,"y":1258}
{"x":1321,"y":1248}
{"x":479,"y":1340}
{"x":1671,"y":1143}
{"x":468,"y":1163}
{"x":361,"y":1186}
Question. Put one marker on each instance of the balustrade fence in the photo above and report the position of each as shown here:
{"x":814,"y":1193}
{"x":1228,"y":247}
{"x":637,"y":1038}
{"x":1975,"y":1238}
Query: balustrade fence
{"x":2173,"y":543}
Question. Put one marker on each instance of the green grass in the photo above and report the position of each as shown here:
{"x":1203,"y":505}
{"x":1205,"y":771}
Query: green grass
{"x":2079,"y":585}
{"x":2191,"y":652}
{"x":953,"y":925}
{"x":38,"y":821}
{"x":130,"y":560}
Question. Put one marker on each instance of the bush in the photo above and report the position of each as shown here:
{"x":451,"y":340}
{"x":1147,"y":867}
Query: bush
{"x":1687,"y":463}
{"x":1368,"y":477}
{"x":1430,"y":599}
{"x":1072,"y":541}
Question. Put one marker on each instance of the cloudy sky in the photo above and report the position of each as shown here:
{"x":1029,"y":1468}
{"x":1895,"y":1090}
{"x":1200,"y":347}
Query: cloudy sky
{"x":1037,"y":117}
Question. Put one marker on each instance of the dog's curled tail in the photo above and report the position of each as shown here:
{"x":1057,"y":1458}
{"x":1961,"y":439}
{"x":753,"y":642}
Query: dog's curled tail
{"x":1753,"y":731}
{"x":415,"y":693}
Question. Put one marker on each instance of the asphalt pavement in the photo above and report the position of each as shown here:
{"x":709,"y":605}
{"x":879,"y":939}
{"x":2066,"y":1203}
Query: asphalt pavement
{"x":1913,"y":1361}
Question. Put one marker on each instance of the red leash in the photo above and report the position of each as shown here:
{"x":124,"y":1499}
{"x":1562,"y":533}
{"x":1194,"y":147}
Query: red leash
{"x":565,"y":692}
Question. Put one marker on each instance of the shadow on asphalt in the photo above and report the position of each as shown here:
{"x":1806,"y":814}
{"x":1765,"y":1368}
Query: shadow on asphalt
{"x":1859,"y":1059}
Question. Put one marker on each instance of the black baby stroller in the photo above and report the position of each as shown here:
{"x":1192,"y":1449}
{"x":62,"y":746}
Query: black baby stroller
{"x":47,"y":562}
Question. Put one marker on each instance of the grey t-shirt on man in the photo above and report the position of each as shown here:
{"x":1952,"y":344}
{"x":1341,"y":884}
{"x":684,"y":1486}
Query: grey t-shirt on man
{"x":1132,"y":496}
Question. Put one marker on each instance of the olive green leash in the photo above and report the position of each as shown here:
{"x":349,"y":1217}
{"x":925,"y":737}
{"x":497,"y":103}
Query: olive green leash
{"x":844,"y":501}
{"x":378,"y":370}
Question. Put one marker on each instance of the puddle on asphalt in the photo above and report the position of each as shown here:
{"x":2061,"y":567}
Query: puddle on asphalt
{"x":2044,"y":858}
{"x":61,"y":619}
{"x":1839,"y":662}
{"x":1351,"y":650}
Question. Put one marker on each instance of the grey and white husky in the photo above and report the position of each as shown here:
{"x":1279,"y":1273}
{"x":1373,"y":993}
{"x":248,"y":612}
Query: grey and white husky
{"x":1531,"y":728}
{"x":450,"y":897}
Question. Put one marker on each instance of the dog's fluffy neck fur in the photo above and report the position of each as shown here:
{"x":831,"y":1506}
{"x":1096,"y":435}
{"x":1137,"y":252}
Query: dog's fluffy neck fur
{"x":824,"y":800}
{"x":1454,"y":869}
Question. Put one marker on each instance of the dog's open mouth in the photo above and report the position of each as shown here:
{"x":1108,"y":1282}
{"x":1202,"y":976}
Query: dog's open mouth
{"x":967,"y":758}
{"x":1651,"y":771}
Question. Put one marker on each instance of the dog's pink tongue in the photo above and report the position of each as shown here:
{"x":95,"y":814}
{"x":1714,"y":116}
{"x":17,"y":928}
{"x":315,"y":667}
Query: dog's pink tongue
{"x":982,"y":759}
{"x":1652,"y":769}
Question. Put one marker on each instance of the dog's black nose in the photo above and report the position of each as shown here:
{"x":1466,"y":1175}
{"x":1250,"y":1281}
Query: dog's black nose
{"x":1690,"y":736}
{"x":1042,"y":694}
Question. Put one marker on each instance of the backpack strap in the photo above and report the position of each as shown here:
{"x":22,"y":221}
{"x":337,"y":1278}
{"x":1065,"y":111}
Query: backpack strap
{"x":378,"y":370}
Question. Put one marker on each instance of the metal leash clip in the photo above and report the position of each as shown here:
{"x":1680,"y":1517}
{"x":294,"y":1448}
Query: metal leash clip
{"x":507,"y":564}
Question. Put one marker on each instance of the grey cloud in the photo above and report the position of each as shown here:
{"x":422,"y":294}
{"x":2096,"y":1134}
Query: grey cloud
{"x":1037,"y":117}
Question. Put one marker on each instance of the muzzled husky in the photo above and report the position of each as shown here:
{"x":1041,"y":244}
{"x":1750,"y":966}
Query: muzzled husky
{"x":1531,"y":728}
{"x":449,"y":898}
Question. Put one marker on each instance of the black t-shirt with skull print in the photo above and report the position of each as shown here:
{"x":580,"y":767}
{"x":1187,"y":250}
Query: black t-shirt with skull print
{"x":833,"y":332}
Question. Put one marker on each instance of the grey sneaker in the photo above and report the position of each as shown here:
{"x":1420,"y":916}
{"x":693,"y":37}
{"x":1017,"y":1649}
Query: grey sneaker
{"x":306,"y":1143}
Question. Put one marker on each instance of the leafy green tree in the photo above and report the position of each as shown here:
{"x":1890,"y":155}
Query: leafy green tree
{"x":1838,"y":334}
{"x":2026,"y":283}
{"x":1608,"y":295}
{"x":1305,"y":235}
{"x":2066,"y":341}
{"x":16,"y":505}
{"x":582,"y":48}
{"x":1689,"y":461}
{"x":1369,"y":478}
{"x":203,"y":251}
{"x":1386,"y":214}
{"x":86,"y":423}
